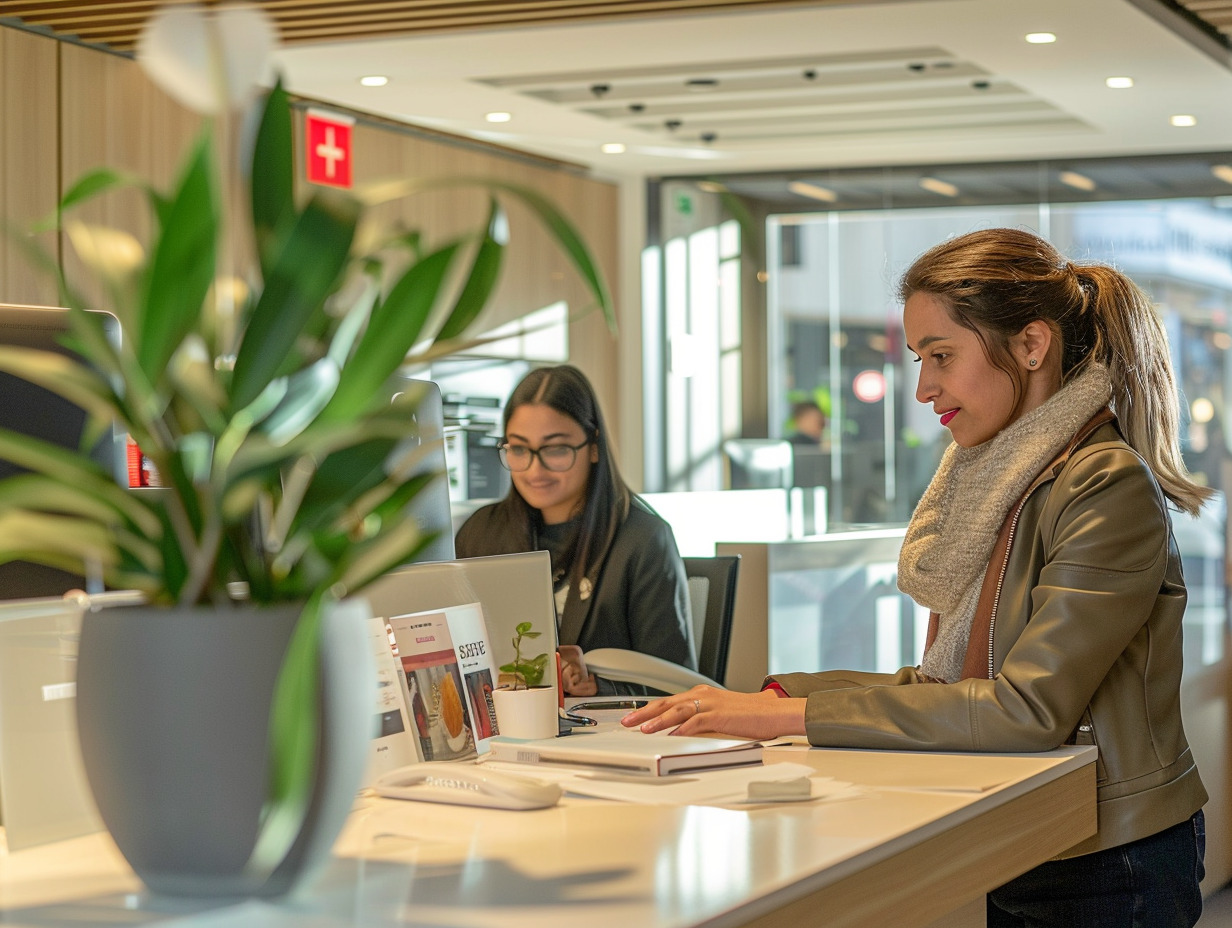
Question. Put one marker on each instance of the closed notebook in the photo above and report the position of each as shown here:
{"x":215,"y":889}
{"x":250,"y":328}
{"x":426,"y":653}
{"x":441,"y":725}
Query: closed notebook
{"x":630,"y":751}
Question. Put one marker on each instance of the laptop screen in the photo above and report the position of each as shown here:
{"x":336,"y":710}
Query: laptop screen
{"x":510,"y":589}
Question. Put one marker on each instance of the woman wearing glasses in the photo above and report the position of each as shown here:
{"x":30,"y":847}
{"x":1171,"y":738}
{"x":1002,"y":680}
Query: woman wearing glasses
{"x":618,"y":576}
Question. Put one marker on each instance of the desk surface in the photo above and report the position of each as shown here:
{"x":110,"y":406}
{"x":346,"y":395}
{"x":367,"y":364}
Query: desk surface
{"x":928,"y":834}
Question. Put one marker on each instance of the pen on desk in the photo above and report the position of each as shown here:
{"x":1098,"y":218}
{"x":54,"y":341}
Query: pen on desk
{"x":611,"y":704}
{"x":576,"y":719}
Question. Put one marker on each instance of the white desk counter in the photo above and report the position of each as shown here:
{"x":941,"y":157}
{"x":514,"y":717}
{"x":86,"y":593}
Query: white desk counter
{"x":924,"y":840}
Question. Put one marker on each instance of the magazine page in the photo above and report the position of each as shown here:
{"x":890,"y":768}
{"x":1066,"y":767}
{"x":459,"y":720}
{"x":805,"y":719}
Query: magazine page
{"x":435,"y":684}
{"x":394,"y":745}
{"x":479,"y":672}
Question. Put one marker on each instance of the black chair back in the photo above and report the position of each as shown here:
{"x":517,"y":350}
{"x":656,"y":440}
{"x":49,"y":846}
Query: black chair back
{"x":721,"y":574}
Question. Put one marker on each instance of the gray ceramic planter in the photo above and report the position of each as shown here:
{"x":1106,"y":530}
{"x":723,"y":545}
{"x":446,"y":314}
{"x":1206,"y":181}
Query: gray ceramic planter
{"x":173,"y":717}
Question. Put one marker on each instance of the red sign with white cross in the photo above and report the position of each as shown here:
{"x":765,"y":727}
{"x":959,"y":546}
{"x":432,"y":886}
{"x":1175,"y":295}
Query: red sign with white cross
{"x":327,"y":148}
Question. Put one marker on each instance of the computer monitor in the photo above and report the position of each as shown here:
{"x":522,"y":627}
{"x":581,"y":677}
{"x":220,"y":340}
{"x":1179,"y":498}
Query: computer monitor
{"x":431,"y":506}
{"x":44,"y":796}
{"x":35,"y":411}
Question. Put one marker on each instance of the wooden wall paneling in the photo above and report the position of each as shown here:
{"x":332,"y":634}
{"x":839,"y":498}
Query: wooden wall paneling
{"x":29,"y":141}
{"x":377,"y":157}
{"x":592,"y":347}
{"x":112,"y":116}
{"x":534,"y":276}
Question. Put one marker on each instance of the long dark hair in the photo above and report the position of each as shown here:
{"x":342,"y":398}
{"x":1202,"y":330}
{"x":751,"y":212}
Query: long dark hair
{"x":996,"y":281}
{"x":565,"y":389}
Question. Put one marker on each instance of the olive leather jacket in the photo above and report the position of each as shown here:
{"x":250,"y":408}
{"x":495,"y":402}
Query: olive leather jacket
{"x":1083,"y":647}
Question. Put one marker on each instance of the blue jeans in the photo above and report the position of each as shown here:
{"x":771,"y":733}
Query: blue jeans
{"x":1150,"y":883}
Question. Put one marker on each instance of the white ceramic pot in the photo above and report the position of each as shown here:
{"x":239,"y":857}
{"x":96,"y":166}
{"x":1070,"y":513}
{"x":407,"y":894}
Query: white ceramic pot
{"x":527,"y":713}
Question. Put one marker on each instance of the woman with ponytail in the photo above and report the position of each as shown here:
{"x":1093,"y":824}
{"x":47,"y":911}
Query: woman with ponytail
{"x":1043,"y":549}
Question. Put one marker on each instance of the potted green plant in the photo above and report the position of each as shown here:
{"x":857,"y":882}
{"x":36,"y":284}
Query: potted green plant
{"x":526,"y":671}
{"x":256,"y":394}
{"x":526,"y":707}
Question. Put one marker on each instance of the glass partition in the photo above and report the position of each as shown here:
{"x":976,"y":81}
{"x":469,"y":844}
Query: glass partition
{"x":833,"y":335}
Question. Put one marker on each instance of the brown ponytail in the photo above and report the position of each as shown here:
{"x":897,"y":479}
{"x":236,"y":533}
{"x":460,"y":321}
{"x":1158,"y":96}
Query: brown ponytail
{"x":1131,"y":341}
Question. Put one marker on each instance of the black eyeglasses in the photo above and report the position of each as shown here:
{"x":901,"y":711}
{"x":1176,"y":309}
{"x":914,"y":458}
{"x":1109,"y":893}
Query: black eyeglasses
{"x":556,"y":458}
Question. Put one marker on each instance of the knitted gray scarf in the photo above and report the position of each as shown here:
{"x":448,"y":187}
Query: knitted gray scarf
{"x":952,"y":532}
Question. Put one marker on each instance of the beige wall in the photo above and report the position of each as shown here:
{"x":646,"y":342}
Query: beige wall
{"x":29,"y":182}
{"x":66,"y":109}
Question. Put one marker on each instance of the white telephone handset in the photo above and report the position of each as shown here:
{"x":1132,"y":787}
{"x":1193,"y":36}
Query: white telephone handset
{"x":467,"y":785}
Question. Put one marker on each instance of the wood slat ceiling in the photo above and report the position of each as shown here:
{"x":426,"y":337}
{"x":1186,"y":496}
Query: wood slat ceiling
{"x":116,"y":25}
{"x":1215,"y":13}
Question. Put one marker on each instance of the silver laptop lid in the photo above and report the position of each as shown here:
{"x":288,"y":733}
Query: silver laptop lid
{"x":511,"y":588}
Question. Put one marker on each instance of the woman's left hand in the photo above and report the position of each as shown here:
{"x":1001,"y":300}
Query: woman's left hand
{"x":574,"y":677}
{"x":706,"y":709}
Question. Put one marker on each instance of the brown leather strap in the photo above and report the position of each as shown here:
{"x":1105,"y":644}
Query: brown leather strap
{"x":976,"y":663}
{"x":934,"y":627}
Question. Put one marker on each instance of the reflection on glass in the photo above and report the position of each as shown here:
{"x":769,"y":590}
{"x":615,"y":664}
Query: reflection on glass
{"x":833,"y":317}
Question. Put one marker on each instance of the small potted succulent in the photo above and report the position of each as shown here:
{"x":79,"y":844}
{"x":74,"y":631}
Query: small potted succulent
{"x":526,"y":707}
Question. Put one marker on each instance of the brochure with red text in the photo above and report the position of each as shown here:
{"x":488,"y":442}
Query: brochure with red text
{"x":449,"y":675}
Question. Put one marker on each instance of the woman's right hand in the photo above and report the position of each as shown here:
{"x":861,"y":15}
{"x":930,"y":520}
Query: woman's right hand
{"x":706,"y":709}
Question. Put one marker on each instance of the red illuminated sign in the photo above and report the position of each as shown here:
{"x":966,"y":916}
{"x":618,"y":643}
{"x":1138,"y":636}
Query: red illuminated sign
{"x":327,"y":147}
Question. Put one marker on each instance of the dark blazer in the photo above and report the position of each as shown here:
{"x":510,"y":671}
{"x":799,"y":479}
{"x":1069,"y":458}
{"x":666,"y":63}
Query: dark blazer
{"x":640,"y":599}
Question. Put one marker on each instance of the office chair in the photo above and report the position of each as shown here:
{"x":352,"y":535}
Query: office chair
{"x":758,"y":463}
{"x":712,"y":601}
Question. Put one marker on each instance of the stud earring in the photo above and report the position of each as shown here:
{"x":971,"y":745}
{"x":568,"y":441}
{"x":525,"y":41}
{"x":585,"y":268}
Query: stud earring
{"x":1032,"y":362}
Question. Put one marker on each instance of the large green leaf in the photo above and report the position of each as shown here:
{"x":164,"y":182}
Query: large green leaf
{"x":89,"y":185}
{"x":481,"y":281}
{"x":341,"y":478}
{"x":303,"y":274}
{"x":566,"y":235}
{"x":272,"y":180}
{"x":74,"y":470}
{"x":308,"y":392}
{"x":181,"y":269}
{"x":365,"y":563}
{"x":57,"y":541}
{"x":391,"y":333}
{"x":293,"y":741}
{"x":570,"y":242}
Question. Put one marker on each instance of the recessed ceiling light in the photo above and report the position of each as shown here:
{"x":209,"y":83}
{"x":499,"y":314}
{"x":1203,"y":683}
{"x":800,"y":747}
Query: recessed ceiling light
{"x":374,"y":80}
{"x":498,"y":117}
{"x":1223,"y":172}
{"x":1119,"y":83}
{"x":1040,"y":38}
{"x":935,"y":185}
{"x":1183,"y":120}
{"x":1077,"y":181}
{"x":812,"y":191}
{"x":612,"y":148}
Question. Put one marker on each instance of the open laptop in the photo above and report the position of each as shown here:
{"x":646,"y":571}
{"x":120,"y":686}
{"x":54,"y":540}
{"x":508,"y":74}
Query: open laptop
{"x":44,"y":796}
{"x":510,"y":588}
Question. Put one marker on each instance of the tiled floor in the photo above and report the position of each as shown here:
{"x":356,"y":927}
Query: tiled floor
{"x":1217,"y":910}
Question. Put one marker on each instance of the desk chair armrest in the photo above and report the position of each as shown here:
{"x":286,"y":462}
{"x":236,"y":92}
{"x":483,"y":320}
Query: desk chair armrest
{"x":625,"y":666}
